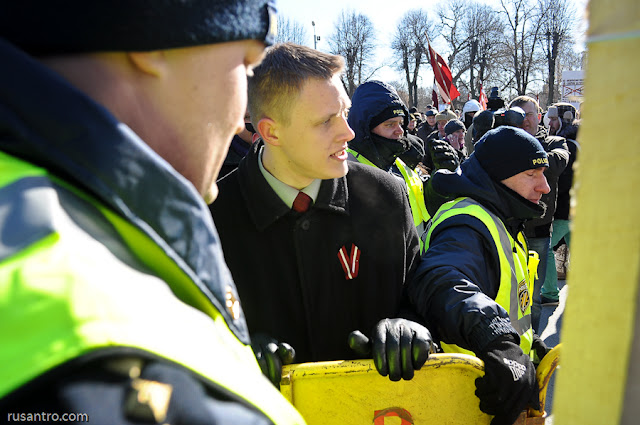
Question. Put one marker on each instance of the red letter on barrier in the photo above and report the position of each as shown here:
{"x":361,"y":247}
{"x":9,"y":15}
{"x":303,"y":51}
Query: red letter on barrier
{"x":405,"y":417}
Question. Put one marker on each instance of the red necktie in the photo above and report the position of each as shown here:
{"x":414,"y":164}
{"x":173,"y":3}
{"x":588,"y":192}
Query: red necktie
{"x":302,"y":202}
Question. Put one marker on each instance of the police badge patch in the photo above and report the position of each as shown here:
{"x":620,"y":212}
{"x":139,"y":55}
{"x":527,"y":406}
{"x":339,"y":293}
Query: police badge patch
{"x":524,"y":299}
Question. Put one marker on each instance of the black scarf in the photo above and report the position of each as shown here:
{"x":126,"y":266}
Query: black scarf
{"x":382,"y":152}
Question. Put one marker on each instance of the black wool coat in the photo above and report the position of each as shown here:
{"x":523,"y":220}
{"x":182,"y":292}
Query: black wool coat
{"x":288,"y":266}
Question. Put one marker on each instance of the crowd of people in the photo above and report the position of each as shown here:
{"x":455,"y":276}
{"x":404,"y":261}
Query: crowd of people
{"x":184,"y":212}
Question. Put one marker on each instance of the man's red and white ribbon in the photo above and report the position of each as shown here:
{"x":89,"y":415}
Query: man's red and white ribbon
{"x":350,"y":264}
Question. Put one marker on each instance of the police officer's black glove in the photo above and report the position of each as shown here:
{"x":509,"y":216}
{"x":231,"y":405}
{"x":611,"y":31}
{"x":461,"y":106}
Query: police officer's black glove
{"x":443,"y":155}
{"x":540,"y":349}
{"x":415,"y":153}
{"x":271,"y":355}
{"x":399,"y":347}
{"x":509,"y":382}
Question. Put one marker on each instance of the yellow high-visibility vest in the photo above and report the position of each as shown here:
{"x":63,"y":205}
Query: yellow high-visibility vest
{"x":517,"y":267}
{"x":77,"y":278}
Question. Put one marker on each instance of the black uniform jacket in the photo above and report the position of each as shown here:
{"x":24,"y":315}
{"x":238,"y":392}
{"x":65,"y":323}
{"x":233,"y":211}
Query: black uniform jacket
{"x":293,"y":269}
{"x":558,"y":153}
{"x":565,"y":182}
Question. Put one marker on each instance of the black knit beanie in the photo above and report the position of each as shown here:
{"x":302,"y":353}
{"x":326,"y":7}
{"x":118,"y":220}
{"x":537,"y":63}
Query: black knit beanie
{"x":45,"y":27}
{"x":453,"y":126}
{"x":507,"y":151}
{"x":390,"y":112}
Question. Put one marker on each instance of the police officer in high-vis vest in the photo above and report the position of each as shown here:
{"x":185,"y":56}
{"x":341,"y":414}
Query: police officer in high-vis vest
{"x":116,"y":306}
{"x":379,"y":119}
{"x":473,"y":287}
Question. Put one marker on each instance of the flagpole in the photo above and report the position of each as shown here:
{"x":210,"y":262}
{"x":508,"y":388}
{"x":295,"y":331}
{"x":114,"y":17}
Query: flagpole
{"x":434,"y":71}
{"x":431,"y":60}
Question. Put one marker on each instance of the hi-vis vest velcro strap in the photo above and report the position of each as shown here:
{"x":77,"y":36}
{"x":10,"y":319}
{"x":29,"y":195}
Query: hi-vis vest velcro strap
{"x":514,"y":293}
{"x":415,"y":188}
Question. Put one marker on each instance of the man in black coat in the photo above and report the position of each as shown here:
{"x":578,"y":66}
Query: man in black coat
{"x":317,"y":248}
{"x":429,"y":124}
{"x":538,"y":230}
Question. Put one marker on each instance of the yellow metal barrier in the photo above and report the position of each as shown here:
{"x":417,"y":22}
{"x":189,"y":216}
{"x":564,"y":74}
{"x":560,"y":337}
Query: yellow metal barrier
{"x":353,"y":393}
{"x":544,"y":372}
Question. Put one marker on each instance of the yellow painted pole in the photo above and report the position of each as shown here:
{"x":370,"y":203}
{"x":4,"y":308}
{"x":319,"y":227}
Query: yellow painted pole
{"x":600,"y":316}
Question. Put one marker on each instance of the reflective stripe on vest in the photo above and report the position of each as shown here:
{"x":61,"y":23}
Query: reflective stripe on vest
{"x":415,"y":190}
{"x":76,"y":278}
{"x":516,"y":287}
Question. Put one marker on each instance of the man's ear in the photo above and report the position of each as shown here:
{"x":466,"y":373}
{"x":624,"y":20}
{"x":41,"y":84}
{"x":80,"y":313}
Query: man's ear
{"x":152,"y":63}
{"x":268,"y":130}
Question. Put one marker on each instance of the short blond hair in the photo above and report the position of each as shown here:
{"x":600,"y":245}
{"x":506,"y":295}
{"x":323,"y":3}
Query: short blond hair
{"x":277,"y":82}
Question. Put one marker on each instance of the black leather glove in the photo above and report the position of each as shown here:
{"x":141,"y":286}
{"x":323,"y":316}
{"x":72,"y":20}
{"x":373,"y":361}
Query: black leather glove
{"x":540,"y":349}
{"x":399,"y":347}
{"x":443,"y":155}
{"x":509,"y":382}
{"x":415,"y":153}
{"x":271,"y":355}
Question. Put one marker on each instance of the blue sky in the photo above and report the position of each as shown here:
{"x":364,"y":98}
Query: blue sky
{"x":385,"y":16}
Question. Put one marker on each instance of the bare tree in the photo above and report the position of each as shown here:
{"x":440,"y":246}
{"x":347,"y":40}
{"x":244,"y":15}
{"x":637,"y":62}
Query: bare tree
{"x":401,"y":89}
{"x":486,"y":30}
{"x":568,"y":60}
{"x":353,"y":37}
{"x":474,"y":33}
{"x":424,"y":97}
{"x":409,"y":47}
{"x":452,"y":15}
{"x":556,"y":31}
{"x":524,"y":27}
{"x":290,"y":31}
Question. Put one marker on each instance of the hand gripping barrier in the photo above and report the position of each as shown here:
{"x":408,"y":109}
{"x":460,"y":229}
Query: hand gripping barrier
{"x":442,"y":392}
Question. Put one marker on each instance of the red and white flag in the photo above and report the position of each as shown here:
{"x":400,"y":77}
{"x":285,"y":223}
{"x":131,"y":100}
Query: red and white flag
{"x":442,"y":73}
{"x":434,"y":97}
{"x":483,"y":98}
